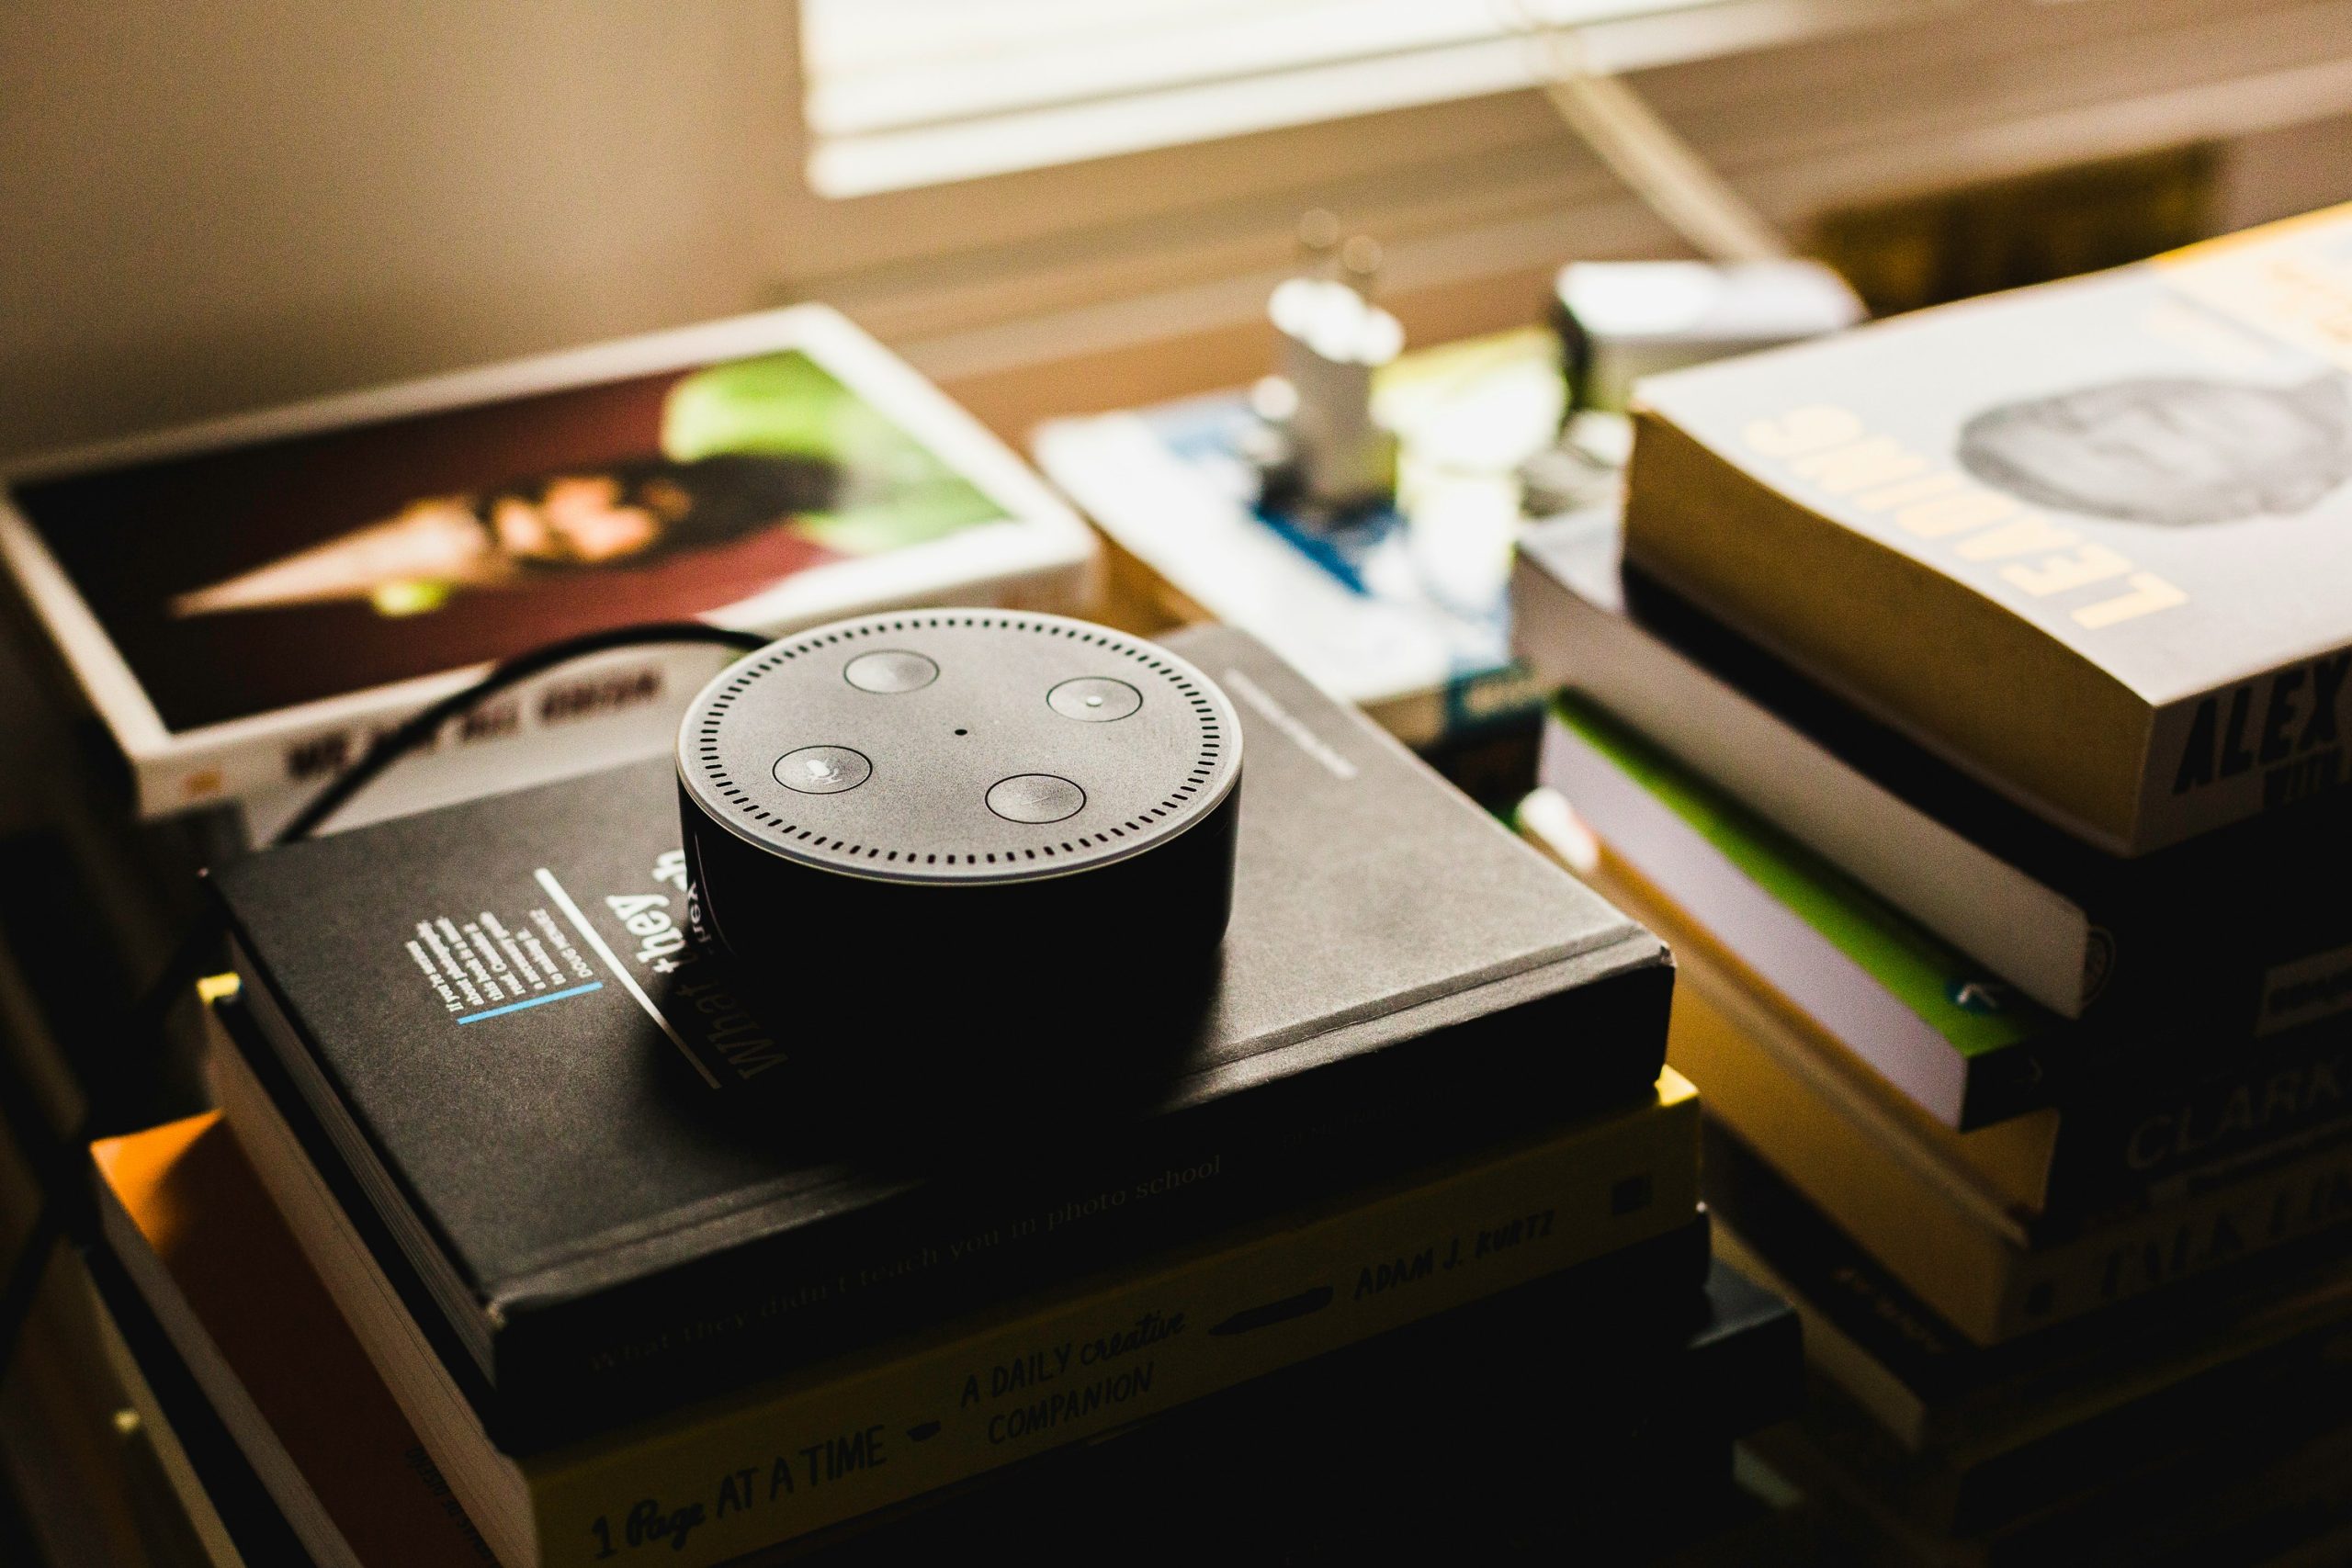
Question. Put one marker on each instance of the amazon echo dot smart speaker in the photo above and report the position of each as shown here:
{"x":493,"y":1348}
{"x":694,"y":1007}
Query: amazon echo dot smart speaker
{"x":964,"y":812}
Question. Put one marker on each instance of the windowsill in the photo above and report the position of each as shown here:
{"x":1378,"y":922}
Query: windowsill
{"x":860,"y":163}
{"x":1016,"y":392}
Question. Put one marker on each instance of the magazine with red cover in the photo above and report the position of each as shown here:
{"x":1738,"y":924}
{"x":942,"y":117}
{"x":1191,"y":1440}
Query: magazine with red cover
{"x":247,"y":603}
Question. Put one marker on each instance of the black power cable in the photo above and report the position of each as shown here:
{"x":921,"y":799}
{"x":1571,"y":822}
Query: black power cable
{"x":390,"y":747}
{"x":63,"y":1212}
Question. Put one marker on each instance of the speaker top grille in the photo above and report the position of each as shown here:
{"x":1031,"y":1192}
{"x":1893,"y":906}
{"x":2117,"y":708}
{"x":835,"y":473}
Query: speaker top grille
{"x":959,"y":746}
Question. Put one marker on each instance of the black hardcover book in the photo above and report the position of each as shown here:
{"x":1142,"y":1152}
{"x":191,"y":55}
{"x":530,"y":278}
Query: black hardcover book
{"x":605,"y":1169}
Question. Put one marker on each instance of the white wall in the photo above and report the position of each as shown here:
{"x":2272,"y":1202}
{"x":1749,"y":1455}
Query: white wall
{"x":215,"y":204}
{"x":209,"y":204}
{"x":2276,"y":174}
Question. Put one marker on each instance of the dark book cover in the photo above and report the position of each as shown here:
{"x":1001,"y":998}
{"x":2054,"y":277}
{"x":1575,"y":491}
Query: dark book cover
{"x":590,"y":1151}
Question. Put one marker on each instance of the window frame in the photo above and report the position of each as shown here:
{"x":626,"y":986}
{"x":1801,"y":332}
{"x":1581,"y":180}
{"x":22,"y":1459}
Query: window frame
{"x":1477,"y":199}
{"x":895,"y":134}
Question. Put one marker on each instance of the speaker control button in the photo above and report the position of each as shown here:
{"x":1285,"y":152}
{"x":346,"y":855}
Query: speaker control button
{"x":890,"y":670}
{"x":1094,"y":699}
{"x":1035,"y":798}
{"x":823,"y":769}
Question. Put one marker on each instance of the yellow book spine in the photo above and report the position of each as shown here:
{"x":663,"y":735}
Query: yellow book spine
{"x":837,"y":1443}
{"x":1882,"y":1201}
{"x":1945,"y":1242}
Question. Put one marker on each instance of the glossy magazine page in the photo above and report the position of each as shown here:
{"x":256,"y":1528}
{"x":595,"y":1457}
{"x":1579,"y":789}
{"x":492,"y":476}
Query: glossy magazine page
{"x":780,"y":470}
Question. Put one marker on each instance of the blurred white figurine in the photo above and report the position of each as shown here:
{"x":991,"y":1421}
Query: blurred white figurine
{"x":1320,"y":453}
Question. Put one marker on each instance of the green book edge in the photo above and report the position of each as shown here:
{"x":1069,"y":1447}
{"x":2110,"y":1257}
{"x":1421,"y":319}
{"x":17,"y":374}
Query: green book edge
{"x":1949,"y":992}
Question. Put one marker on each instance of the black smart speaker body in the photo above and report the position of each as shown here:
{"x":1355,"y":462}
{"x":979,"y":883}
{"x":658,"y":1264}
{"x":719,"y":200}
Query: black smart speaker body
{"x":924,"y":820}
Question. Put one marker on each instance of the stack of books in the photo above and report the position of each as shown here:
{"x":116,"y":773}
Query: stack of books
{"x":1964,"y":699}
{"x":1408,"y":1218}
{"x":200,"y":627}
